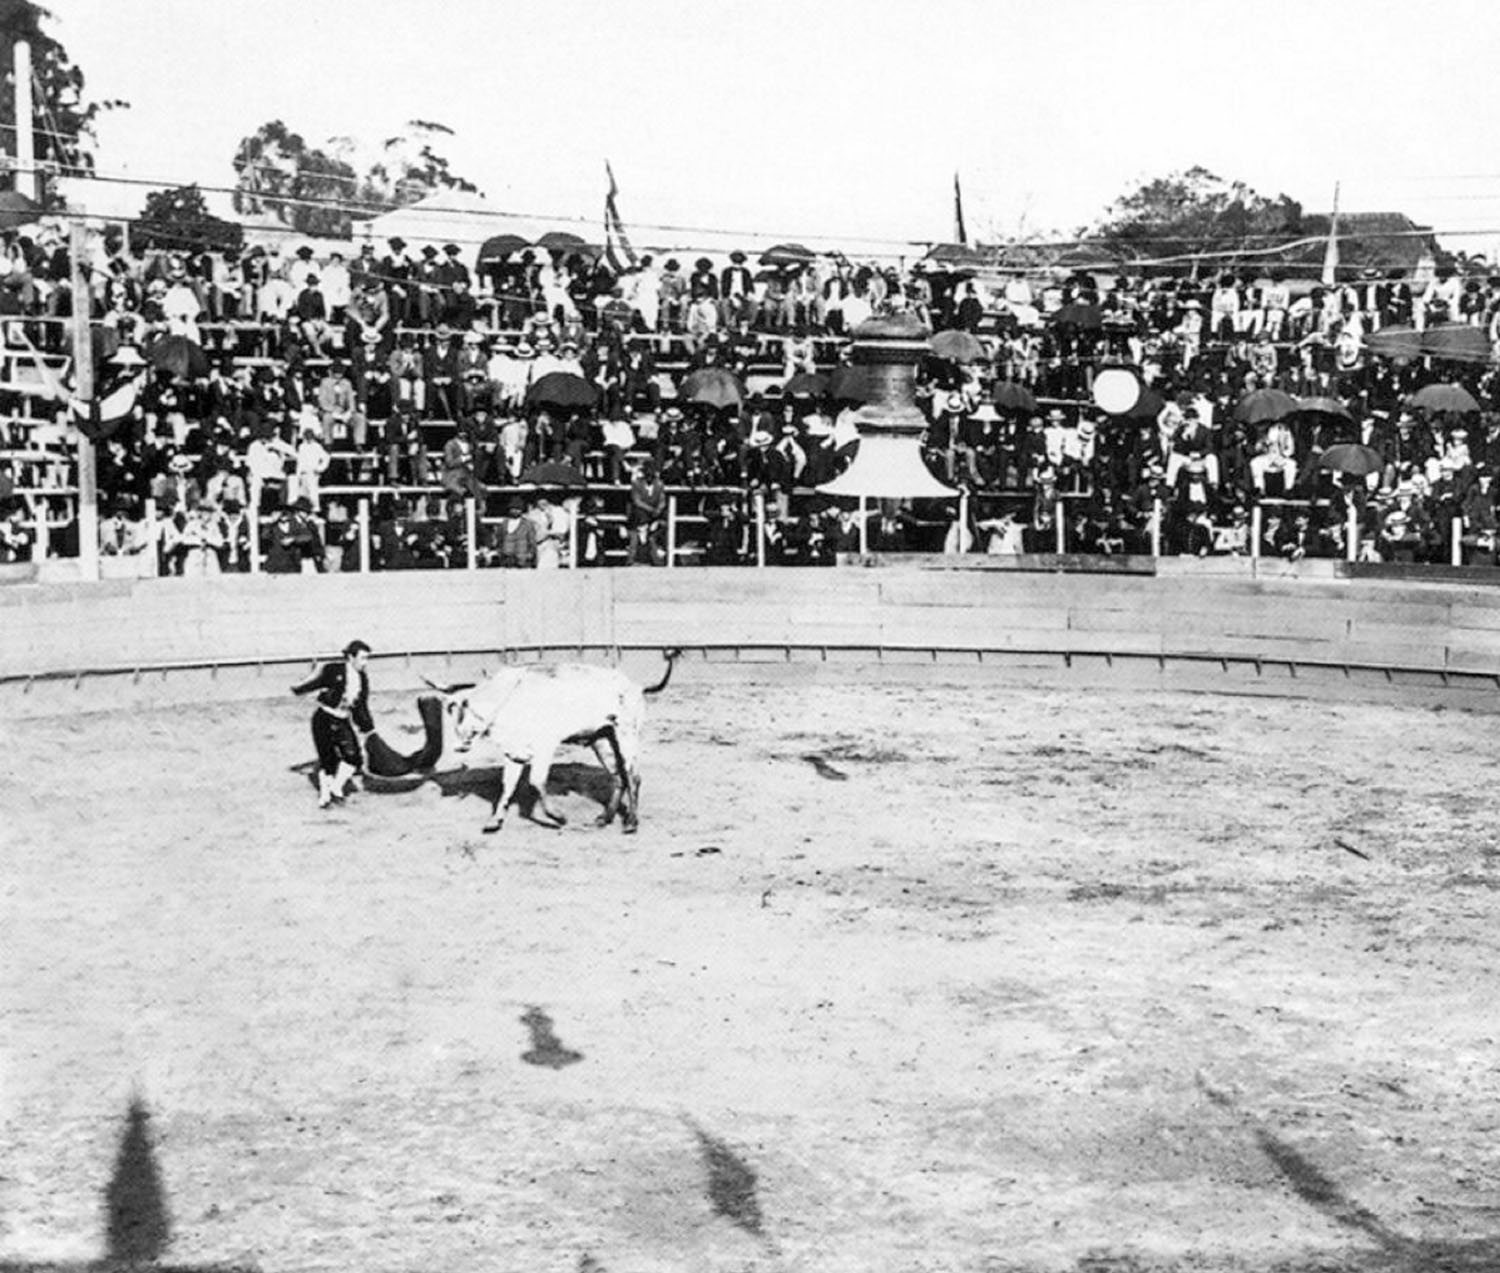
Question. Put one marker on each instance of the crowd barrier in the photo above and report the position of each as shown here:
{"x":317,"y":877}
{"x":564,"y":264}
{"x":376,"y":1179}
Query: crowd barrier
{"x":1319,"y":629}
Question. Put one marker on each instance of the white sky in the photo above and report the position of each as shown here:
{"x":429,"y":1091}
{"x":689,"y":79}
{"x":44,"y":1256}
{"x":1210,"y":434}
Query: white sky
{"x":837,"y":118}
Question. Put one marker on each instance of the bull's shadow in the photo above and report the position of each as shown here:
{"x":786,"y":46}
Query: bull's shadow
{"x":589,"y":781}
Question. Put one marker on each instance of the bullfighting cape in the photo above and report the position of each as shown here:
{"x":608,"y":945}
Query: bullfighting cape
{"x":384,"y":761}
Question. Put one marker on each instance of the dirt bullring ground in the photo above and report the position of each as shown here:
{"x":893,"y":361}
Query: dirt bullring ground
{"x":906,"y":977}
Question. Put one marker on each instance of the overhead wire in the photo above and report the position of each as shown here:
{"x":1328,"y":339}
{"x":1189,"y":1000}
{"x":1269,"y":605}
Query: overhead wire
{"x":902,"y":248}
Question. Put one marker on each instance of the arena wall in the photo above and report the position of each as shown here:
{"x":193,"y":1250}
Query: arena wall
{"x":1236,"y":629}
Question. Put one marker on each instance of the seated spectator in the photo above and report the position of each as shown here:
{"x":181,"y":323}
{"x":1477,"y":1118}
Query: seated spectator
{"x":459,"y":479}
{"x":119,"y":535}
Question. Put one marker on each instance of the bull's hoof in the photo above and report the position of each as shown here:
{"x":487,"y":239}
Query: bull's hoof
{"x":604,"y":819}
{"x":493,"y":825}
{"x":631,"y":827}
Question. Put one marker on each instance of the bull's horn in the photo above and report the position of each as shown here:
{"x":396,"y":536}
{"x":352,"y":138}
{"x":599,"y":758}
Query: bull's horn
{"x":449,"y":689}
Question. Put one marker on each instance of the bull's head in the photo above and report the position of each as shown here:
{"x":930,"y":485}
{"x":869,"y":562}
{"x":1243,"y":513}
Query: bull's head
{"x":463,"y":724}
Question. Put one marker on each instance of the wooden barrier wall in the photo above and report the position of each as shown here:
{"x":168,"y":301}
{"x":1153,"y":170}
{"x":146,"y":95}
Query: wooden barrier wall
{"x":1438,"y":627}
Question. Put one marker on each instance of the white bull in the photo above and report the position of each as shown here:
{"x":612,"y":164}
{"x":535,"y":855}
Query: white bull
{"x":524,"y":714}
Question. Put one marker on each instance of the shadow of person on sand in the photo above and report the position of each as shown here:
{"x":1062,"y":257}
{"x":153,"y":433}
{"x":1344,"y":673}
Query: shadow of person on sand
{"x":138,"y":1227}
{"x":1386,"y":1250}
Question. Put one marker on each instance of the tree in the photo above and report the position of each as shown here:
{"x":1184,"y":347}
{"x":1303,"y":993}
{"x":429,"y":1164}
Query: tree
{"x":322,"y":190}
{"x":304,"y":188}
{"x":179,"y":221}
{"x":1187,"y":214}
{"x":63,"y":126}
{"x":409,"y":168}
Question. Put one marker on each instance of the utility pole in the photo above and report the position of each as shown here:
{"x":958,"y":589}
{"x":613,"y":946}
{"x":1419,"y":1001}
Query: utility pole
{"x":83,"y":382}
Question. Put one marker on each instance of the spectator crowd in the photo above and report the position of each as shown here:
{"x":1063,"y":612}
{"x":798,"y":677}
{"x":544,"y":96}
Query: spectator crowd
{"x":570,"y":402}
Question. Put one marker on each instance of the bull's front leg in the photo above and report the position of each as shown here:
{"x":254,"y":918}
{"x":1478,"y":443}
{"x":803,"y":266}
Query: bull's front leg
{"x":541,"y":766}
{"x":613,"y":766}
{"x":510,"y":779}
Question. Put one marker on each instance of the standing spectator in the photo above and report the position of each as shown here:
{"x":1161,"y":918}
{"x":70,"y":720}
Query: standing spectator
{"x":553,"y":525}
{"x":312,"y":462}
{"x":266,"y":461}
{"x":516,"y":533}
{"x":647,"y":515}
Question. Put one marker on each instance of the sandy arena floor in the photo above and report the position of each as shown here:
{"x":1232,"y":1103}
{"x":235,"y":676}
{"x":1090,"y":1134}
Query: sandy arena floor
{"x":905,"y":978}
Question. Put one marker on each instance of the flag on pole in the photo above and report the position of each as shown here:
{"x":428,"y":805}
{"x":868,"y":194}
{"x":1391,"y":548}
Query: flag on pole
{"x":618,"y":254}
{"x":1331,"y":252}
{"x":960,"y":234}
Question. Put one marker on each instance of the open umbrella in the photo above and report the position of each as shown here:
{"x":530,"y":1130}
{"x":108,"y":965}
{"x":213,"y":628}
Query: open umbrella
{"x":806,"y":384}
{"x":552,"y":473}
{"x":499,"y":247}
{"x":1351,"y":458}
{"x":1323,"y":406}
{"x":1147,"y":407}
{"x":1457,"y":342}
{"x":1083,"y":317}
{"x":561,"y":241}
{"x":849,"y":384}
{"x":562,"y":389}
{"x":787,"y":254}
{"x":1264,"y":406}
{"x":956,"y":256}
{"x":1010,"y":396}
{"x":712,"y":386}
{"x":17,"y":210}
{"x":958,"y":346}
{"x":178,"y":355}
{"x":1398,"y":342}
{"x":1445,"y":397}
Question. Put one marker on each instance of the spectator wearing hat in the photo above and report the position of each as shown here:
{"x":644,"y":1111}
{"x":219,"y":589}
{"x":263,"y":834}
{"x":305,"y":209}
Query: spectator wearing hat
{"x":338,"y":409}
{"x":177,"y":487}
{"x":451,"y":269}
{"x":672,"y":296}
{"x":405,"y":449}
{"x":736,"y":291}
{"x":296,"y":540}
{"x":554,"y":526}
{"x":182,"y":307}
{"x":225,"y":485}
{"x":509,"y":374}
{"x":1481,"y":530}
{"x":440,"y":368}
{"x":593,"y":533}
{"x":266,"y":461}
{"x":275,"y":298}
{"x":406,"y":367}
{"x":516,"y":537}
{"x":646,"y":515}
{"x":427,"y":288}
{"x":337,"y":287}
{"x":473,"y":377}
{"x":701,"y":321}
{"x":458,"y":475}
{"x":397,"y":277}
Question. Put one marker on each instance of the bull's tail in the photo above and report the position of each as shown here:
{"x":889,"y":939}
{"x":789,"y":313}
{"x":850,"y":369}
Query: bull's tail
{"x":386,"y":762}
{"x":671,"y":657}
